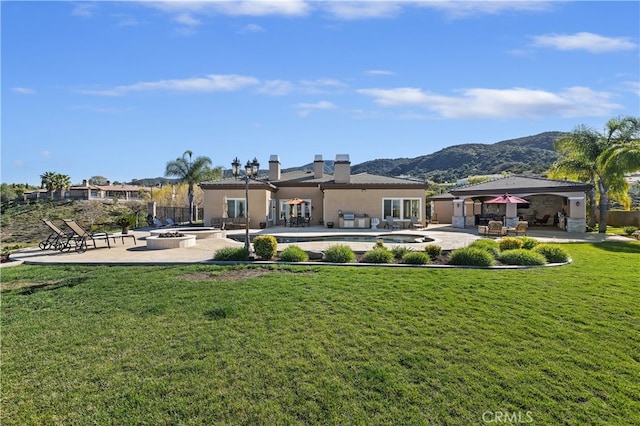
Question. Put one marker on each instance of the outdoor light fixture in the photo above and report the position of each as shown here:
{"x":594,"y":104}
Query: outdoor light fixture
{"x":251,"y":170}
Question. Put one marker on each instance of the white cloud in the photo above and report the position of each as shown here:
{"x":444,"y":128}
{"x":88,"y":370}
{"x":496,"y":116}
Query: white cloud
{"x":84,"y":10}
{"x":236,"y":8}
{"x":351,"y":10}
{"x":322,"y":85}
{"x":210,"y":83}
{"x":631,"y":87}
{"x":464,"y":8}
{"x":379,"y":72}
{"x":590,"y":42}
{"x":45,"y":154}
{"x":304,"y":109}
{"x":23,"y":90}
{"x":250,"y":29}
{"x":276,"y":88}
{"x":187,"y":20}
{"x":501,"y":103}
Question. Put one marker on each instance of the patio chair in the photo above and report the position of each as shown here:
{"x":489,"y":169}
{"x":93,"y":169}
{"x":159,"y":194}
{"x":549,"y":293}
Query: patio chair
{"x":158,"y":223}
{"x":170,"y":222}
{"x":81,"y":236}
{"x":520,"y":228}
{"x":542,"y":221}
{"x":56,"y":240}
{"x":391,"y":223}
{"x":416,"y":224}
{"x":495,"y":227}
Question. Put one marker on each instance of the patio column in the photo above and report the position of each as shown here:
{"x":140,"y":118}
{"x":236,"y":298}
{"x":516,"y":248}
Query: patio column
{"x":511,"y":216}
{"x":457,"y":220}
{"x":577,"y":214}
{"x":469,"y":218}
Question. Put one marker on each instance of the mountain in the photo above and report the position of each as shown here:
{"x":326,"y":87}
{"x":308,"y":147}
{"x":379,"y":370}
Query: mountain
{"x":528,"y":155}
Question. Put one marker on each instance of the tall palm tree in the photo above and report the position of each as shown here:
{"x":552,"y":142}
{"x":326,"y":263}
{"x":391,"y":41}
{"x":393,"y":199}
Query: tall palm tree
{"x":61,"y":182}
{"x":602,"y":160}
{"x":191,"y":171}
{"x":47,"y":180}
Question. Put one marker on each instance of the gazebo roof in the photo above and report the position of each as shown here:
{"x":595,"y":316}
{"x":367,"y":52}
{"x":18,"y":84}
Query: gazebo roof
{"x":519,"y":185}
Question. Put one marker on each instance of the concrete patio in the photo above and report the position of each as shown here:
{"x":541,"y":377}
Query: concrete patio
{"x":126,"y":253}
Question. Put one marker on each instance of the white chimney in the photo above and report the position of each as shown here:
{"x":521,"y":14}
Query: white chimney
{"x":318,"y":167}
{"x":274,"y":168}
{"x":342,"y":169}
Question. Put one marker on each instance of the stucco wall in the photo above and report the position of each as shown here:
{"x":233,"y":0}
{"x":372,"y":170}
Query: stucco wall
{"x":367,"y":201}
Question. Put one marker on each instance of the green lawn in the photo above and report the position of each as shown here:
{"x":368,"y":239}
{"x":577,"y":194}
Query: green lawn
{"x":324,"y":345}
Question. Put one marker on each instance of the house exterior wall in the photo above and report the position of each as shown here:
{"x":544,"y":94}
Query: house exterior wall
{"x":214,"y":204}
{"x":305,"y":193}
{"x":367,"y":201}
{"x":442,"y":211}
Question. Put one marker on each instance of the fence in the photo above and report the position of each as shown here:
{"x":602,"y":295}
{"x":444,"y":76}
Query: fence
{"x":178,"y":214}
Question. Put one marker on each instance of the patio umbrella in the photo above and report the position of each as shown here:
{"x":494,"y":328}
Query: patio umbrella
{"x":295,"y":201}
{"x":506,"y":199}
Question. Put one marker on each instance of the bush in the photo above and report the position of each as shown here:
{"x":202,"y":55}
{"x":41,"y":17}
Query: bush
{"x":528,"y":242}
{"x":265,"y":246}
{"x":339,"y":254}
{"x":231,"y":253}
{"x":490,"y":246}
{"x":378,"y":255}
{"x":522,"y":257}
{"x":471,"y":256}
{"x":510,"y":243}
{"x":629,"y":230}
{"x":433,"y":250}
{"x":379,"y":244}
{"x":417,"y":258}
{"x":553,"y":254}
{"x":293,"y":254}
{"x":400,"y":251}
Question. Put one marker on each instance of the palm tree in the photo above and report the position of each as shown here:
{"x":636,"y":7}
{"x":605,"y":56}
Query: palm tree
{"x":602,"y":160}
{"x":61,"y":182}
{"x":190,"y":171}
{"x":47,"y":180}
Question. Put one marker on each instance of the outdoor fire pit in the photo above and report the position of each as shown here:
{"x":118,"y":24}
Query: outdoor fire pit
{"x":169,"y":240}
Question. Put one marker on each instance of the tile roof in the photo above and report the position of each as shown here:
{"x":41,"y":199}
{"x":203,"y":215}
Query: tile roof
{"x":521,"y":184}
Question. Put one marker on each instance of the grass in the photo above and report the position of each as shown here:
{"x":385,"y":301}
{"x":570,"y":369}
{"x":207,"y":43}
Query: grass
{"x":323,"y":345}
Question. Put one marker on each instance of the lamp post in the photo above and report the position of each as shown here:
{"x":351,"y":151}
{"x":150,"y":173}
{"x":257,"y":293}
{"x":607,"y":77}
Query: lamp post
{"x":251,"y":170}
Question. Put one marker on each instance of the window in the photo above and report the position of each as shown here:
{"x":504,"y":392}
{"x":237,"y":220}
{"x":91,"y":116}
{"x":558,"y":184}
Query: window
{"x":399,"y":208}
{"x":235,"y":207}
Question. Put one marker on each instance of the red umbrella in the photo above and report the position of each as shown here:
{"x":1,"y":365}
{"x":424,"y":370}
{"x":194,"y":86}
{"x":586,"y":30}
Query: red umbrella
{"x":295,"y":201}
{"x":507,"y":199}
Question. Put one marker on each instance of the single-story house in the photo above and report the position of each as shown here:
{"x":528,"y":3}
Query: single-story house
{"x":340,"y":200}
{"x":86,"y":191}
{"x":550,"y":202}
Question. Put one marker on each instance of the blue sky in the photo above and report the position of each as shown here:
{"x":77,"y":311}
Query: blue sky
{"x":117,"y":89}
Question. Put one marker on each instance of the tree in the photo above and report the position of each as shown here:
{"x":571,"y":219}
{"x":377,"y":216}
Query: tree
{"x":601,"y":159}
{"x":190,"y":171}
{"x":47,"y":180}
{"x":61,"y":182}
{"x":98,"y":180}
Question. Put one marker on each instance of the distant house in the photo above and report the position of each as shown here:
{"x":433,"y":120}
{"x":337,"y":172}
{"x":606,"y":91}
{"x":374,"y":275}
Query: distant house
{"x":562,"y":202}
{"x":315,"y":198}
{"x":87,"y":191}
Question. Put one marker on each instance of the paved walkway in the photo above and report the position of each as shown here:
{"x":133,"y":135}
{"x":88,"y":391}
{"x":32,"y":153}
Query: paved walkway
{"x":129,"y":254}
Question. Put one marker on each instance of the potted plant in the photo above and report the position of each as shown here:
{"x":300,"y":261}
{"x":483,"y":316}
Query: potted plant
{"x":125,"y":222}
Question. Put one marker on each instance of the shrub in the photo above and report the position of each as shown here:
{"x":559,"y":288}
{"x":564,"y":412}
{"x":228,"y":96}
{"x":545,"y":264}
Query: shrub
{"x":553,"y":254}
{"x":400,"y":251}
{"x":522,"y":257}
{"x":231,"y":253}
{"x":378,"y":255}
{"x":293,"y":254}
{"x":490,"y":246}
{"x":471,"y":256}
{"x":528,"y":242}
{"x":265,"y":246}
{"x":433,"y":250}
{"x":417,"y":258}
{"x":629,"y":230}
{"x":510,"y":243}
{"x":379,"y":244}
{"x":339,"y":254}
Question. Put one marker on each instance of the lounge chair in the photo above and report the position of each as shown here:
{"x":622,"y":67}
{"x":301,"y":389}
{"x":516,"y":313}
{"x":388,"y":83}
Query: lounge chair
{"x":542,"y":221}
{"x":57,"y":240}
{"x":391,"y":223}
{"x":416,"y":224}
{"x":495,"y":227}
{"x":81,"y":236}
{"x":170,"y":222}
{"x":520,"y":228}
{"x":157,"y":223}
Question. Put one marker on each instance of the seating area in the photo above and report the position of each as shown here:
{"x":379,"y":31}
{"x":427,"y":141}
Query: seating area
{"x":417,"y":225}
{"x":542,"y":221}
{"x":81,"y":236}
{"x":520,"y":228}
{"x":391,"y":223}
{"x":493,"y":228}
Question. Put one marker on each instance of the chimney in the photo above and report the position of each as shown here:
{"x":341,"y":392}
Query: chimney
{"x":342,"y":169}
{"x":274,"y":168}
{"x":84,"y":182}
{"x":318,"y":167}
{"x":108,"y":183}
